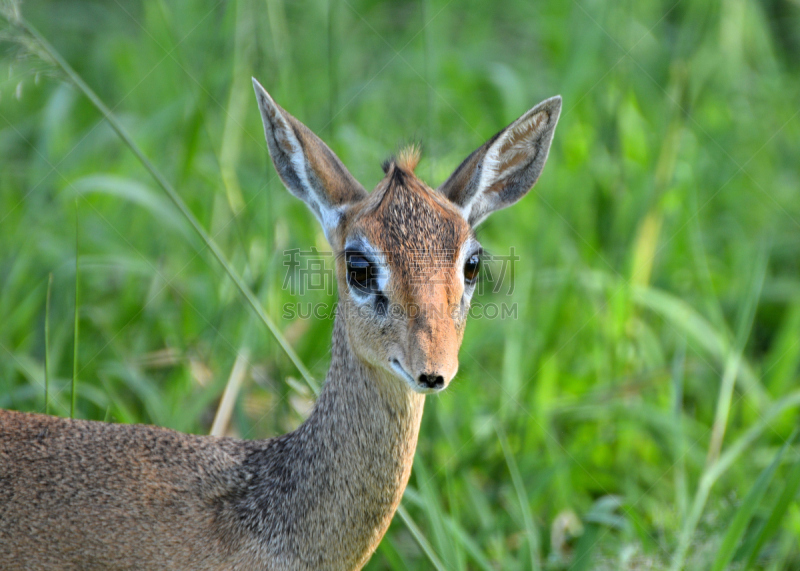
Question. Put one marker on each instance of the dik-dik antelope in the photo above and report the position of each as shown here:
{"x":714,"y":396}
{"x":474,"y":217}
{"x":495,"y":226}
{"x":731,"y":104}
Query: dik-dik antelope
{"x":84,"y":495}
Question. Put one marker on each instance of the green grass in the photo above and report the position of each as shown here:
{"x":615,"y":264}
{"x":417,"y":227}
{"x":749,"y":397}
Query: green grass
{"x":633,"y":416}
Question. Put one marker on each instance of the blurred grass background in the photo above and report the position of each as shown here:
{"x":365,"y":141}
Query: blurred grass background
{"x":633,"y":416}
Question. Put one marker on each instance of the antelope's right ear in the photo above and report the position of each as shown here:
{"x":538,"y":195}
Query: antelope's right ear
{"x":307,"y":167}
{"x":504,"y":168}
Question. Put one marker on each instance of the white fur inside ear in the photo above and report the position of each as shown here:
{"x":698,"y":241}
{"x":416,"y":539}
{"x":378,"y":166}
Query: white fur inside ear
{"x":291,"y":146}
{"x":507,"y":155}
{"x":489,"y":167}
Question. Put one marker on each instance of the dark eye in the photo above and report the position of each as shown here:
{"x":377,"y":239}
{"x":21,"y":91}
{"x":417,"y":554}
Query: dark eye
{"x":471,"y":269}
{"x":361,"y":274}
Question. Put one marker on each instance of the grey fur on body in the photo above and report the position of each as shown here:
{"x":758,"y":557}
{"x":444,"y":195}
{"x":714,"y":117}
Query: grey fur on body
{"x":90,"y":495}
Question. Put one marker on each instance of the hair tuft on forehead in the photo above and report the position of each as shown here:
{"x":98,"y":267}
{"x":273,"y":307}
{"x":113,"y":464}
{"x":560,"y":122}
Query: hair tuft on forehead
{"x":407,"y":159}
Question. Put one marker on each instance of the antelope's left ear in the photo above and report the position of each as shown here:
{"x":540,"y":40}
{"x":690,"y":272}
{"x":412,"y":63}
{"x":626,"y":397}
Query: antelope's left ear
{"x":505,"y":168}
{"x":307,"y":167}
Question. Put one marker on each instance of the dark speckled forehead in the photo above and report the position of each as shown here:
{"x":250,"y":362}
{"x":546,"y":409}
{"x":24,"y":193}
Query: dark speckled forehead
{"x":417,"y":229}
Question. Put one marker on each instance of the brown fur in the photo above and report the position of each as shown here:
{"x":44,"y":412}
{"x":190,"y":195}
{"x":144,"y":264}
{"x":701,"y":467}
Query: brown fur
{"x":89,"y":495}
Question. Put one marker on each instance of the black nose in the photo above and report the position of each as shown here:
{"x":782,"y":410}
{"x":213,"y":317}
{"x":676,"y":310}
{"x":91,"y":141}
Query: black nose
{"x":431,"y":381}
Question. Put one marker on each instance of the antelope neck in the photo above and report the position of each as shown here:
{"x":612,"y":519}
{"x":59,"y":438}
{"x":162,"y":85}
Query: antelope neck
{"x":343,"y":472}
{"x":364,"y":412}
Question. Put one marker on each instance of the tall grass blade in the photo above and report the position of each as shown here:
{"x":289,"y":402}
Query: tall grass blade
{"x":582,"y":560}
{"x":645,"y":247}
{"x":333,"y":58}
{"x":725,"y":461}
{"x":123,"y":134}
{"x":392,"y":554}
{"x":47,"y":344}
{"x":745,"y":512}
{"x":461,"y":537}
{"x":73,"y":394}
{"x":522,"y":496}
{"x":427,"y":32}
{"x":225,"y":408}
{"x":137,"y":193}
{"x":776,"y":512}
{"x":734,"y":361}
{"x":237,"y":106}
{"x":687,"y":320}
{"x":681,"y":488}
{"x":420,"y":538}
{"x":469,"y":545}
{"x":431,"y":505}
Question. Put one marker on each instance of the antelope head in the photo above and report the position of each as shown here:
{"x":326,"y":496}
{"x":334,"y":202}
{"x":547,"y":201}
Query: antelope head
{"x":407,"y":259}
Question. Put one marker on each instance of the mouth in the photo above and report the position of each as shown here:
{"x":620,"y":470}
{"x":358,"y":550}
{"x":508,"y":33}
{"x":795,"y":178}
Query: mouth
{"x":415,"y":386}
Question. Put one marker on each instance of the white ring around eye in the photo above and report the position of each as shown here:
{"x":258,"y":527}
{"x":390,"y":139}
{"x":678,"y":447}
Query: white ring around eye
{"x":468,"y":248}
{"x":378,"y":259}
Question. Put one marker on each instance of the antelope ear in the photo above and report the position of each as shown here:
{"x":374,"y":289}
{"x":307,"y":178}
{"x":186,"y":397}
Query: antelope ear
{"x":307,"y":167}
{"x":504,"y":168}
